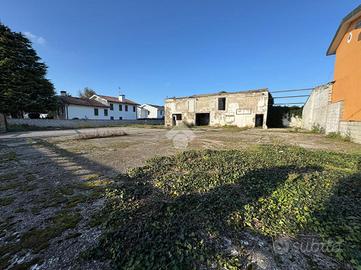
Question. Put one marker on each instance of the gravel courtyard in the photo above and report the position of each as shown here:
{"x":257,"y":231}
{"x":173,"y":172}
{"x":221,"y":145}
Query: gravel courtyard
{"x":52,"y":183}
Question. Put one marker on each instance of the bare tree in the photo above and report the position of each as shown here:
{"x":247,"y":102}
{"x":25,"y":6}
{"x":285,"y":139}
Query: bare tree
{"x":86,"y":92}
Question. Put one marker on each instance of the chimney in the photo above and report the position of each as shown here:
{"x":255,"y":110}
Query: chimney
{"x":122,"y":98}
{"x":63,"y":93}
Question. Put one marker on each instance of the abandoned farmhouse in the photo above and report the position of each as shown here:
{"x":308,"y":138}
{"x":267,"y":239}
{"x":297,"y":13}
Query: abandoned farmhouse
{"x":242,"y":109}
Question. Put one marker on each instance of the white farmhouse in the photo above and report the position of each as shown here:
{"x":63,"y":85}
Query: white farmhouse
{"x":81,"y":108}
{"x":97,"y":108}
{"x":120,"y":108}
{"x":150,"y":111}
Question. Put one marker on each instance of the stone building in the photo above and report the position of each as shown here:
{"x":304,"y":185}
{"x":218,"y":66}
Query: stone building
{"x":242,"y":109}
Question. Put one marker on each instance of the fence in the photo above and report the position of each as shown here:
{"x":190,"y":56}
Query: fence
{"x":55,"y":123}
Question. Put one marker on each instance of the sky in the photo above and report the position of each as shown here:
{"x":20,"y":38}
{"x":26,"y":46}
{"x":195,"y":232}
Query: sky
{"x":153,"y":49}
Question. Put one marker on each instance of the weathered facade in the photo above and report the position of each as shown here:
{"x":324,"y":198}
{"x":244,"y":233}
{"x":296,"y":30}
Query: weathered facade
{"x":324,"y":115}
{"x":242,"y":109}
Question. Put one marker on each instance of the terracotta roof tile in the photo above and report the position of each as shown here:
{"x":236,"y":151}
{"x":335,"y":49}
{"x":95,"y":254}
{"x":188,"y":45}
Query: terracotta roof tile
{"x":81,"y":101}
{"x":116,"y":100}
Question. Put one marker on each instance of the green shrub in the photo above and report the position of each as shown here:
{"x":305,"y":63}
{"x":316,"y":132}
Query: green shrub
{"x":316,"y":128}
{"x":338,"y":136}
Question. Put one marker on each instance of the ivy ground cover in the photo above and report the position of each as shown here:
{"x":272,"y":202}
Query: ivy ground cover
{"x":183,"y":211}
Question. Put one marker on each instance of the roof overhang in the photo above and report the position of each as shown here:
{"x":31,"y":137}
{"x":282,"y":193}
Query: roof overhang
{"x":342,"y":29}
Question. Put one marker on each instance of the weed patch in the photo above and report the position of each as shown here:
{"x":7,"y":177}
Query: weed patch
{"x":8,"y":176}
{"x":6,"y":201}
{"x":338,"y":136}
{"x":10,"y":156}
{"x":317,"y":129}
{"x":38,"y":239}
{"x":178,"y":211}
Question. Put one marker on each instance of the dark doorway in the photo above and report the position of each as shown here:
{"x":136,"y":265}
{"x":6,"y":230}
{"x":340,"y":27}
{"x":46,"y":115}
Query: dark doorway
{"x":202,"y":119}
{"x":176,"y":117}
{"x":259,"y":120}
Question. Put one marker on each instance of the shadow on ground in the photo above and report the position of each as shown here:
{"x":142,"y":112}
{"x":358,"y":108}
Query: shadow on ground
{"x":150,"y":229}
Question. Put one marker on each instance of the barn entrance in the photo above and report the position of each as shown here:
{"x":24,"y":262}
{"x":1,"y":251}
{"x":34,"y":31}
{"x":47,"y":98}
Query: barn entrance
{"x":259,"y":120}
{"x":202,"y":119}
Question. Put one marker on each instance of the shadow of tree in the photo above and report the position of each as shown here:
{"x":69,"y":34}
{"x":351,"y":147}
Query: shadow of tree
{"x":339,"y":222}
{"x":45,"y":184}
{"x":149,"y":229}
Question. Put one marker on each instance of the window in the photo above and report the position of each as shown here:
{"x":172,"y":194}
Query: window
{"x":96,"y":111}
{"x":105,"y":112}
{"x":148,"y":112}
{"x":126,"y":108}
{"x":133,"y":108}
{"x":177,"y":116}
{"x":358,"y":25}
{"x":120,"y":118}
{"x":111,"y":106}
{"x":120,"y":107}
{"x":349,"y":38}
{"x":111,"y":118}
{"x":161,"y":112}
{"x":222,"y":104}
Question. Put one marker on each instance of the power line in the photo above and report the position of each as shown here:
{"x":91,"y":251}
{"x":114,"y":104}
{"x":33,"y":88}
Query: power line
{"x":293,"y":96}
{"x":291,"y":103}
{"x":292,"y":90}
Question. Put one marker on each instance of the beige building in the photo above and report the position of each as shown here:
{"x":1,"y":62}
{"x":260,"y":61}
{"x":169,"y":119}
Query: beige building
{"x":242,"y":109}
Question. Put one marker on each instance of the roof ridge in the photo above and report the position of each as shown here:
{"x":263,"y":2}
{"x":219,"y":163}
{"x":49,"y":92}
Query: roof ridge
{"x":223,"y":92}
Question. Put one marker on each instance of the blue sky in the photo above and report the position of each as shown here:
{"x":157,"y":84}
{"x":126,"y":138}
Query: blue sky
{"x":157,"y":49}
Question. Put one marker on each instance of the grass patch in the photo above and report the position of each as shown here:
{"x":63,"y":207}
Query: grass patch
{"x":38,"y":239}
{"x":155,"y":126}
{"x":229,"y":128}
{"x":10,"y":156}
{"x":8,"y":186}
{"x":30,"y":177}
{"x":6,"y":201}
{"x":8,"y":176}
{"x":317,"y":129}
{"x":24,"y":127}
{"x":338,"y":136}
{"x":177,"y":211}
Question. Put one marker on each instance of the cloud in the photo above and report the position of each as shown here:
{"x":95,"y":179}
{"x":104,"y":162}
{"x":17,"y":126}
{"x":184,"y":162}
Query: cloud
{"x":34,"y":38}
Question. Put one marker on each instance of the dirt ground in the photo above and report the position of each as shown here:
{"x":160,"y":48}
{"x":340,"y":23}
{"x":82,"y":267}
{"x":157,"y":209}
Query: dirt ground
{"x":51,"y":184}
